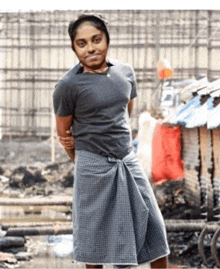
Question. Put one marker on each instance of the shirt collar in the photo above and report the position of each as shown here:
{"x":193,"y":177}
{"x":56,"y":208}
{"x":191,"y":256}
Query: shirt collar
{"x":80,"y":68}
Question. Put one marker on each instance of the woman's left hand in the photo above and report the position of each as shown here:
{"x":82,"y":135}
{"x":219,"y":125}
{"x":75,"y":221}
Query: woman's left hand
{"x":67,"y":141}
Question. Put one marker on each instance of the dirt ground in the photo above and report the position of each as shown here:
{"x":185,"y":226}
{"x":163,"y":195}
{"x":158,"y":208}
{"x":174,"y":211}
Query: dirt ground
{"x":14,"y":154}
{"x":17,"y":152}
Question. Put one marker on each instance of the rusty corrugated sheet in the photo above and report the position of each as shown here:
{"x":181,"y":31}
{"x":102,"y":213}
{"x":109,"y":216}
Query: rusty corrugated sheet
{"x":216,"y":171}
{"x":192,"y":187}
{"x":206,"y":167}
{"x":191,"y":166}
{"x":190,"y":147}
{"x":200,"y":122}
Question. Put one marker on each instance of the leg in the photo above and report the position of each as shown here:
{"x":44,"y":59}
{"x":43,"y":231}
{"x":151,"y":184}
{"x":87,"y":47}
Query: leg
{"x":93,"y":266}
{"x":160,"y":263}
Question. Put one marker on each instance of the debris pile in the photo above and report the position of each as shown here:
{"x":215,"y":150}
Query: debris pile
{"x":36,"y":179}
{"x":13,"y":250}
{"x":39,"y":177}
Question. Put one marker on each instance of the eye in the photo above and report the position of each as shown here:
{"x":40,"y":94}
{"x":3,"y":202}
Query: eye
{"x":80,"y":43}
{"x":97,"y":39}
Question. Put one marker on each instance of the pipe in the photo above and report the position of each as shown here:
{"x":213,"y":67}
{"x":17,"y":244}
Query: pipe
{"x":185,"y":226}
{"x":63,"y":228}
{"x":66,"y":201}
{"x":201,"y":245}
{"x":214,"y":247}
{"x":36,"y":231}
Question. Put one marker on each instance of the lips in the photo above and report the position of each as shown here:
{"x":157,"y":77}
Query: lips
{"x":93,"y":57}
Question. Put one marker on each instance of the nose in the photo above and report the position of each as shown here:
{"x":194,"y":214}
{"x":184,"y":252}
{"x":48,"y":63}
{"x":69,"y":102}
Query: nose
{"x":91,"y":48}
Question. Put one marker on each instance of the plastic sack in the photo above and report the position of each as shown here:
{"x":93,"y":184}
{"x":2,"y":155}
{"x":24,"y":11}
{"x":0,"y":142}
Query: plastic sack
{"x":166,"y":154}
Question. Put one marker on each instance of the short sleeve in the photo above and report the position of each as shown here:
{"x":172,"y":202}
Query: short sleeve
{"x":130,"y":74}
{"x":63,"y":100}
{"x":134,"y":91}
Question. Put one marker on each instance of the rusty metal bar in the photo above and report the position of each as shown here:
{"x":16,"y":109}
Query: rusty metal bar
{"x":201,"y":245}
{"x":36,"y":231}
{"x":66,"y":201}
{"x":40,"y":40}
{"x":214,"y":247}
{"x":60,"y":228}
{"x":6,"y":226}
{"x":196,"y":226}
{"x":171,"y":226}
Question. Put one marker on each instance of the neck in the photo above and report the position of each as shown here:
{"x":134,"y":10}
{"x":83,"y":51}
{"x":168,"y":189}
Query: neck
{"x":101,"y":69}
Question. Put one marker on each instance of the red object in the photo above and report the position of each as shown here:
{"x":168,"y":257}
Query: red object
{"x":166,"y":150}
{"x":165,"y":74}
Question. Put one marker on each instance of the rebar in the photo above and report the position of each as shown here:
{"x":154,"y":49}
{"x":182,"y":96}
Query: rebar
{"x":66,"y":201}
{"x":35,"y":53}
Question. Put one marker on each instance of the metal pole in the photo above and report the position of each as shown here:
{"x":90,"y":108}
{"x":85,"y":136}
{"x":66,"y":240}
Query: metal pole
{"x":52,"y":137}
{"x":66,"y":201}
{"x":157,"y":57}
{"x":65,"y":228}
{"x":35,"y":231}
{"x":196,"y":42}
{"x":209,"y":47}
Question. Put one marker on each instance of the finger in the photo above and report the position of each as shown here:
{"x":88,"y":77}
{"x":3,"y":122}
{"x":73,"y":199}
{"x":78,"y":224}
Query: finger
{"x":67,"y":142}
{"x":68,"y":146}
{"x":68,"y":132}
{"x":67,"y":138}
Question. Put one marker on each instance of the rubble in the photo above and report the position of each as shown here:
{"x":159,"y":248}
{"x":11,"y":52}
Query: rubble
{"x":23,"y":256}
{"x":30,"y":180}
{"x":7,"y":257}
{"x":26,"y":171}
{"x":39,"y":177}
{"x":8,"y":242}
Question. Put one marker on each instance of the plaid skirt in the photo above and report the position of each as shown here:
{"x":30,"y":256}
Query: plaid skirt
{"x":116,"y":219}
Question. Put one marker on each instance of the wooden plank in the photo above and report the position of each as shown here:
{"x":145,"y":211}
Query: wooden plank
{"x":8,"y":225}
{"x":67,"y":201}
{"x":216,"y":151}
{"x":11,"y":241}
{"x":35,"y":231}
{"x":171,"y":226}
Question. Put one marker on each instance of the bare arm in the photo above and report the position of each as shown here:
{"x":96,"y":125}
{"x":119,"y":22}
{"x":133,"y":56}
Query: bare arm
{"x":63,"y":125}
{"x":130,"y":107}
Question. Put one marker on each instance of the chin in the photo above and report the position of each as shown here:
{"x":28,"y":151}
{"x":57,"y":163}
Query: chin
{"x":95,"y":64}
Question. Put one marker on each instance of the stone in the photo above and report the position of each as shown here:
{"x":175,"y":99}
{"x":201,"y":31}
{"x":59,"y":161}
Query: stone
{"x":67,"y":177}
{"x":4,"y":179}
{"x":7,"y":257}
{"x":15,"y":250}
{"x":8,"y":172}
{"x":22,"y":178}
{"x":1,"y":171}
{"x":23,"y":256}
{"x":11,"y":241}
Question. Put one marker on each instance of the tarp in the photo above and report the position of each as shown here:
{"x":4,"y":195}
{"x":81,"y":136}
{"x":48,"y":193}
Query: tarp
{"x":186,"y":110}
{"x":166,"y":154}
{"x":199,"y":115}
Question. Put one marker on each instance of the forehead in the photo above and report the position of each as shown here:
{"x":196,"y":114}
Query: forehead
{"x":86,"y":30}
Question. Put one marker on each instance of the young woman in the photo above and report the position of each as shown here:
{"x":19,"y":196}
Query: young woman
{"x":116,"y":217}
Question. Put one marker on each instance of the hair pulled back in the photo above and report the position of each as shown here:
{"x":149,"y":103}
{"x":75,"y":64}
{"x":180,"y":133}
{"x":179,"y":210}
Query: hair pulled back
{"x":96,"y":20}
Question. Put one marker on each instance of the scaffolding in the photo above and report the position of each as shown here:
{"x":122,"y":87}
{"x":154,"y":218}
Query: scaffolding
{"x":35,"y":53}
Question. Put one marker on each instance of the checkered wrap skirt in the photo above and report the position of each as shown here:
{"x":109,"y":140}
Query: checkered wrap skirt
{"x":116,"y":219}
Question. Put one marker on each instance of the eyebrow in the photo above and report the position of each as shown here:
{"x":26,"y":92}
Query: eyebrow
{"x":83,"y":39}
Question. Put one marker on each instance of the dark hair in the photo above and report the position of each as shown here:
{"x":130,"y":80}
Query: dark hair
{"x":134,"y":131}
{"x":97,"y":20}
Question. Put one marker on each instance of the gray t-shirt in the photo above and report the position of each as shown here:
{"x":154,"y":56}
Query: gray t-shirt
{"x":98,"y":104}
